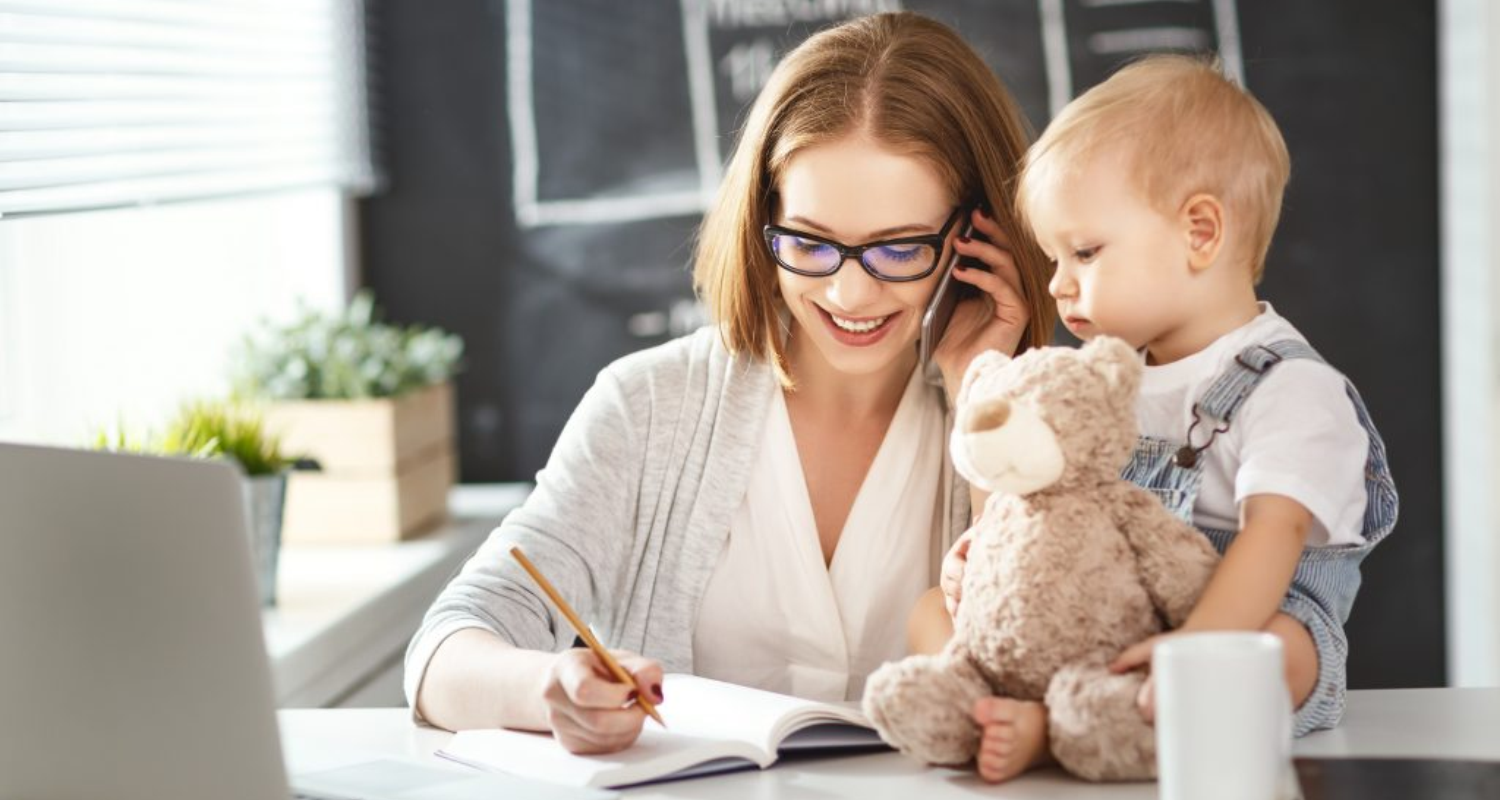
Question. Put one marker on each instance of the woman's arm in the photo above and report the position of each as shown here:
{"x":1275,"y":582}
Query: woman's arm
{"x":477,"y":680}
{"x":491,"y":650}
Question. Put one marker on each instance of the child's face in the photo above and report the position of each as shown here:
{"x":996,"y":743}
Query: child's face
{"x":1122,"y":265}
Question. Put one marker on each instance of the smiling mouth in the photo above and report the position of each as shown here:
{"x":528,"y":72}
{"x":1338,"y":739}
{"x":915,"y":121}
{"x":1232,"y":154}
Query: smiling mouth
{"x":866,"y":325}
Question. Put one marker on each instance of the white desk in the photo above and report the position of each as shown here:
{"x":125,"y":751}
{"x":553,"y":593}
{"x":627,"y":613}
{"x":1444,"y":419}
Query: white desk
{"x":1435,"y":723}
{"x":345,"y":613}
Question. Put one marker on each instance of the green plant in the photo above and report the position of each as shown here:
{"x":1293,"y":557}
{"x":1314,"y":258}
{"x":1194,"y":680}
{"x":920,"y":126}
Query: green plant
{"x":206,"y":429}
{"x":346,"y":356}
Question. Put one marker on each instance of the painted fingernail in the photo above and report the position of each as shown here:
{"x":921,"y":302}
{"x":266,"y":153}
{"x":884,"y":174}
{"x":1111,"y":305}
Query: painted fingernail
{"x":984,"y":212}
{"x":632,"y":697}
{"x":965,"y":239}
{"x":656,"y":692}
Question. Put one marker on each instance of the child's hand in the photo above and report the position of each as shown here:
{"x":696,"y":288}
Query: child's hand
{"x":1137,"y":655}
{"x":951,"y":578}
{"x":1145,"y":700}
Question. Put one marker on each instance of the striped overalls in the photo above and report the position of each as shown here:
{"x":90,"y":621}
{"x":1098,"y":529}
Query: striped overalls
{"x":1327,"y":578}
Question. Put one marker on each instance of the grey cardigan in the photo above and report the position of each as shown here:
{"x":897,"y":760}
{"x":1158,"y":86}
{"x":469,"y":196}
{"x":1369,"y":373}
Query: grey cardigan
{"x":632,"y":510}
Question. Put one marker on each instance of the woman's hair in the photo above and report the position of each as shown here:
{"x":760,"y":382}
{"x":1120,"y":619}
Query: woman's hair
{"x":911,"y":84}
{"x":1186,"y":129}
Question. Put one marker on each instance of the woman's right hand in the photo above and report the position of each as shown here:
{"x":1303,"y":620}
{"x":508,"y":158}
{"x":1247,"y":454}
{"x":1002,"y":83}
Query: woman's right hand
{"x":951,"y":579}
{"x":588,"y":710}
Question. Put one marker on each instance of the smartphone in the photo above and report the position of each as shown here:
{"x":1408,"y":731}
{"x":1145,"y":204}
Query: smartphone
{"x":945,"y":299}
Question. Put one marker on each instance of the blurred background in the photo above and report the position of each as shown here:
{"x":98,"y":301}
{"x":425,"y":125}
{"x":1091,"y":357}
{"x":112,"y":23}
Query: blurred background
{"x":528,"y":175}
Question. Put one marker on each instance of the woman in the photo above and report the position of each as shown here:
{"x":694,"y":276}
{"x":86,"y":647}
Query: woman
{"x":764,"y":501}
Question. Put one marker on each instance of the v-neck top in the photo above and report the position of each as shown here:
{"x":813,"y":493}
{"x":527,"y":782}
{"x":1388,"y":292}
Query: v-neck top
{"x":773,"y":616}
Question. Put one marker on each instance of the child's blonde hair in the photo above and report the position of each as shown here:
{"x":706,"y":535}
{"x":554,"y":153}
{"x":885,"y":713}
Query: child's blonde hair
{"x":1187,"y":129}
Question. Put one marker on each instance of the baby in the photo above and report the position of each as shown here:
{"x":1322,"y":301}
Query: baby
{"x":1156,"y":194}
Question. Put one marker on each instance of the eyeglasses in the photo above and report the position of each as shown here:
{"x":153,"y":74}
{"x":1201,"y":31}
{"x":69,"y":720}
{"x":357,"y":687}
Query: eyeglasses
{"x":908,"y":258}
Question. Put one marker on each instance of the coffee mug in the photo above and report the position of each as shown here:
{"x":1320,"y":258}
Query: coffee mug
{"x":1223,"y":717}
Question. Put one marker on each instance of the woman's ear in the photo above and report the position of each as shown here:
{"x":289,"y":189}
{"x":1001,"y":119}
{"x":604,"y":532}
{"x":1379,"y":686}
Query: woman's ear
{"x":1203,"y":225}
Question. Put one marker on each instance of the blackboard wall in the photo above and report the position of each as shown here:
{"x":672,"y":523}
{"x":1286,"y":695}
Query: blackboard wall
{"x":548,"y":161}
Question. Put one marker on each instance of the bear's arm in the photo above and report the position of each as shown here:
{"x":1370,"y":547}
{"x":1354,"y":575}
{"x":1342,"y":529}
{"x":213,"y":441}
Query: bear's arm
{"x":1175,"y":560}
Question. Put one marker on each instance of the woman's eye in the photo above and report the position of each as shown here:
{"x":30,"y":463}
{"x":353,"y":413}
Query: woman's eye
{"x":902,"y":252}
{"x":1086,"y":254}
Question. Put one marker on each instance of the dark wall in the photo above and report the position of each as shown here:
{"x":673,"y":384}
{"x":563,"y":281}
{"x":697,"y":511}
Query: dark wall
{"x":526,"y":244}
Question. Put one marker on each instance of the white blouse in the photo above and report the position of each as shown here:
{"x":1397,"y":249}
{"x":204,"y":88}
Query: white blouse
{"x":773,"y":616}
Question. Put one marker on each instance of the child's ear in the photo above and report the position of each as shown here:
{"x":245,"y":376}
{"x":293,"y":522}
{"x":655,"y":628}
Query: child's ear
{"x":1203,"y":224}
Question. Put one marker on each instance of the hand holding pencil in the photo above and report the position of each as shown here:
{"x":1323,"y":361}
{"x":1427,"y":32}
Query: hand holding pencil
{"x":595,"y":699}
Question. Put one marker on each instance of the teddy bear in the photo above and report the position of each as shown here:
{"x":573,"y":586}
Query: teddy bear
{"x":1068,"y":565}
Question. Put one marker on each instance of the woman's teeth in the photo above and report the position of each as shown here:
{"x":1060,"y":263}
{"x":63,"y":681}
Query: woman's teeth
{"x":864,"y":326}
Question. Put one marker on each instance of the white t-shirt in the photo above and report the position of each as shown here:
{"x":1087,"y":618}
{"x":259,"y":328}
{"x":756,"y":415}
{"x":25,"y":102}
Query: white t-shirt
{"x":1297,"y":435}
{"x":773,"y":616}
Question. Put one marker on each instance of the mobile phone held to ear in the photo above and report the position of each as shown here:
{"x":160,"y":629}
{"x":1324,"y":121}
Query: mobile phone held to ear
{"x":945,"y":299}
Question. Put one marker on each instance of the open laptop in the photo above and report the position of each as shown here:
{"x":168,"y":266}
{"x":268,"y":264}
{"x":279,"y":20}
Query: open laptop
{"x":132,"y":661}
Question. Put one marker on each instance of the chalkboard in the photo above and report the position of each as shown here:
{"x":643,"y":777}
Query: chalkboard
{"x":548,"y":161}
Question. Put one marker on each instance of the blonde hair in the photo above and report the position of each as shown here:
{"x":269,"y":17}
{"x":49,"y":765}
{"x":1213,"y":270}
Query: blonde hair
{"x":911,"y":84}
{"x":1186,"y":129}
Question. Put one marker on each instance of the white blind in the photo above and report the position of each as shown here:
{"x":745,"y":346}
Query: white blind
{"x":120,"y":102}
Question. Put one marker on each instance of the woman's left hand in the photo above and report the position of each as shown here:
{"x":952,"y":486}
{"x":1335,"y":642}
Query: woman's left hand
{"x":995,"y":321}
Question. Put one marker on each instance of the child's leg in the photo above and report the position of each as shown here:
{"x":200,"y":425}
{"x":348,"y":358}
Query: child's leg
{"x":1317,"y":655}
{"x":1301,"y":656}
{"x":929,"y":627}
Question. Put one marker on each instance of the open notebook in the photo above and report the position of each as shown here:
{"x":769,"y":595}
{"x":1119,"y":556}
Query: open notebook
{"x":711,"y":727}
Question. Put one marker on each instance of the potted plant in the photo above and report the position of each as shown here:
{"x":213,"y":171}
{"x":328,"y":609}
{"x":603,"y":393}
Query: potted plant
{"x":372,"y":403}
{"x":216,"y":429}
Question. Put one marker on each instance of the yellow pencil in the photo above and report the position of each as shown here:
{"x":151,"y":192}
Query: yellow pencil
{"x":585,"y":634}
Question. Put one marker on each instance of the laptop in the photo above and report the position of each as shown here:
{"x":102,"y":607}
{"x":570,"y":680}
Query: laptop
{"x":132,"y":660}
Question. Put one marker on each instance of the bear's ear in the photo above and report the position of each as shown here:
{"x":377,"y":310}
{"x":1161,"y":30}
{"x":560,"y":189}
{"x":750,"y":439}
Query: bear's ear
{"x":1117,"y":361}
{"x":983,"y":364}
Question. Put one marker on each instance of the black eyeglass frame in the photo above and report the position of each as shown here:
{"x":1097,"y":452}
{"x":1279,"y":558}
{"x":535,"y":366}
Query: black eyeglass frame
{"x":857,"y":252}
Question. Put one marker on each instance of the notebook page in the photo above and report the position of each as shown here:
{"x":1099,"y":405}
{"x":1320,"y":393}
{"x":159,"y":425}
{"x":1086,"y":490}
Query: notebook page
{"x":706,"y":708}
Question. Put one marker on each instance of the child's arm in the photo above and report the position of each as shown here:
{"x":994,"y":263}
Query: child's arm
{"x":1246,"y":590}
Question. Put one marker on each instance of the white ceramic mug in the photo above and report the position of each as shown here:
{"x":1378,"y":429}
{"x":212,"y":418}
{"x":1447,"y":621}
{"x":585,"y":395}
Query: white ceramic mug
{"x":1223,"y":717}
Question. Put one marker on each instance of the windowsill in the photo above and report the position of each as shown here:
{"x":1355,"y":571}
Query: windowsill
{"x":345,"y":613}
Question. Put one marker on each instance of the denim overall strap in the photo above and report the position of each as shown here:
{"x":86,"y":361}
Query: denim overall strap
{"x":1251,"y":365}
{"x":1326,"y":579}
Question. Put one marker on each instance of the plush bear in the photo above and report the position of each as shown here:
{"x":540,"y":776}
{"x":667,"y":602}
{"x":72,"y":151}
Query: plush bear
{"x":1068,"y":566}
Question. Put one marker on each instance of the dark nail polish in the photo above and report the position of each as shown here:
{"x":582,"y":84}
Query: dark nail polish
{"x":984,"y":212}
{"x":632,"y":697}
{"x":656,"y":692}
{"x":965,"y":239}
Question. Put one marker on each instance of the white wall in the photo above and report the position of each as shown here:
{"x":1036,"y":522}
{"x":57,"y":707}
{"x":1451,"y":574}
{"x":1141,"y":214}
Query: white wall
{"x":128,"y":312}
{"x":1469,"y":68}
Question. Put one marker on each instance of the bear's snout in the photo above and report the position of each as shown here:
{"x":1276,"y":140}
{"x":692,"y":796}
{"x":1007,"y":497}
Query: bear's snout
{"x":989,"y":415}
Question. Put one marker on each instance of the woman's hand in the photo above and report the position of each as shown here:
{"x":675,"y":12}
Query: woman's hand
{"x":994,"y":321}
{"x":951,"y":579}
{"x":587,"y":710}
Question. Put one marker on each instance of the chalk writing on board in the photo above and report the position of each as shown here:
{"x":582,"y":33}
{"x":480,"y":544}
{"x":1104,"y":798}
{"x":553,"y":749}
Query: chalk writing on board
{"x":586,"y":149}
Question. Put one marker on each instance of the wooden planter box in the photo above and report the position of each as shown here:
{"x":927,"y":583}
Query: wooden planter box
{"x":387,"y":466}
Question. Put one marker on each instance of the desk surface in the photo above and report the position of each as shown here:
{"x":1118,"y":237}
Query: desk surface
{"x":1432,"y":723}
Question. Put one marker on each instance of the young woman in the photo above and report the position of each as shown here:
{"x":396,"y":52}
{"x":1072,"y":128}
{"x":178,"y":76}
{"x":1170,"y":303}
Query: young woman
{"x":764,"y":501}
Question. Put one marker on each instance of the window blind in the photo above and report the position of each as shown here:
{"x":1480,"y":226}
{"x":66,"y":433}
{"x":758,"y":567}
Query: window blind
{"x":120,"y":102}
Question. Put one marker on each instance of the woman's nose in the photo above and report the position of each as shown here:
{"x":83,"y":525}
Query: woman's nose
{"x":852,"y":288}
